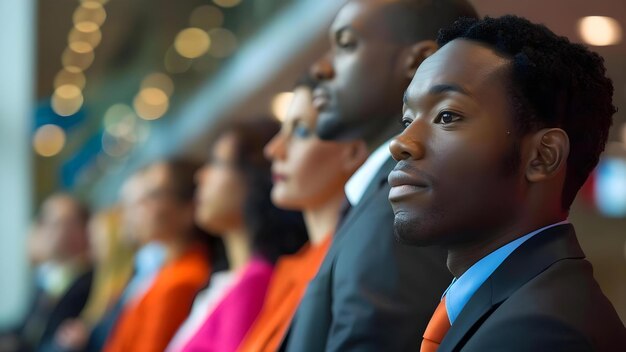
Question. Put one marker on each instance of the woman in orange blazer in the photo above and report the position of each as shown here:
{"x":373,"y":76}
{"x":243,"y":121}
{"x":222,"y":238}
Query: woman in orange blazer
{"x":309,"y":175}
{"x":166,"y":213}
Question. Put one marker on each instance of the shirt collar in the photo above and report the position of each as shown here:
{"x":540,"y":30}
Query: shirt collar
{"x":357,"y":184}
{"x":463,"y":288}
{"x":150,"y":258}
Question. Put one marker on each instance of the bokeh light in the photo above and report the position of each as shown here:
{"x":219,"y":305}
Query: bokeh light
{"x":192,"y":42}
{"x":66,"y":77}
{"x":160,"y":81}
{"x":206,"y":17}
{"x":67,"y":100}
{"x":280,"y":104}
{"x":80,"y":47}
{"x":600,"y":30}
{"x":92,"y":38}
{"x":49,"y":140}
{"x":86,"y":26}
{"x":151,"y":103}
{"x":76,"y":62}
{"x":90,"y":11}
{"x":120,"y":120}
{"x":223,"y":42}
{"x":227,"y":3}
{"x":114,"y":146}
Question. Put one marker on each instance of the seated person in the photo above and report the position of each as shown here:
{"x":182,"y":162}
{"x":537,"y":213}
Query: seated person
{"x":166,"y":209}
{"x":309,"y":175}
{"x":234,"y":201}
{"x":60,"y":245}
{"x":503,"y":125}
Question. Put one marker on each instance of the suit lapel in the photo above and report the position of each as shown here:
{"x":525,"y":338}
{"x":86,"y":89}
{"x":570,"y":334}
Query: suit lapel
{"x":354,"y":213}
{"x":529,"y":260}
{"x":377,"y":182}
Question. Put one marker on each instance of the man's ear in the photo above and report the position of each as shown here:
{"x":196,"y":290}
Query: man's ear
{"x":549,"y":151}
{"x":417,"y":53}
{"x":354,"y":156}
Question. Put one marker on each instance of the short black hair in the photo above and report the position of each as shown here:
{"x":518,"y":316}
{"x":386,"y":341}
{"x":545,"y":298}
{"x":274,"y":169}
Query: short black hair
{"x":417,"y":20}
{"x":554,"y":83}
{"x":182,"y":177}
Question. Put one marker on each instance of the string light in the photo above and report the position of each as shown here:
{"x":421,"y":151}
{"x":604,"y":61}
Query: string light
{"x":223,"y":42}
{"x":206,"y":17}
{"x":600,"y":30}
{"x":227,"y":3}
{"x":192,"y":43}
{"x":49,"y":140}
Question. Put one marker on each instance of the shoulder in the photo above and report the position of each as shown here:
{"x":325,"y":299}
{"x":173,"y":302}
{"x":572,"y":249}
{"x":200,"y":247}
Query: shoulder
{"x":258,"y":272}
{"x":528,"y":331}
{"x":189,"y":272}
{"x":564,"y":302}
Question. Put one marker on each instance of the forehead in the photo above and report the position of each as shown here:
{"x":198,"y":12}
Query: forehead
{"x":472,"y":66}
{"x":156,"y":176}
{"x":224,"y":147}
{"x":59,"y":206}
{"x":364,"y":16}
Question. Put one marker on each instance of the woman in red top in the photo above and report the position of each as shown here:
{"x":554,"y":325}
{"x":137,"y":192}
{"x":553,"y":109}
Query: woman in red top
{"x":309,"y":175}
{"x":166,"y":213}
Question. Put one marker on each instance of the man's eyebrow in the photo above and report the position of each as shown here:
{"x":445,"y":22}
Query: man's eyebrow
{"x":446,"y":88}
{"x":440,"y":89}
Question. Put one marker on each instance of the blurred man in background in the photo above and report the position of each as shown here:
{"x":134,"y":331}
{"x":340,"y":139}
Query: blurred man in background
{"x":63,"y":276}
{"x":372,"y":293}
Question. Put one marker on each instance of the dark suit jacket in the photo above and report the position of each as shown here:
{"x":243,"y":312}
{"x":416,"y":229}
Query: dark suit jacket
{"x":47,"y":315}
{"x":371,"y":293}
{"x":541,"y":298}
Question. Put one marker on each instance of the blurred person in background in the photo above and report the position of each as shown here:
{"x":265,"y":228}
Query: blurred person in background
{"x":164,"y":214}
{"x":234,"y":201}
{"x":112,"y":257}
{"x":309,"y":175}
{"x":60,"y":246}
{"x":77,"y":335}
{"x":372,"y":293}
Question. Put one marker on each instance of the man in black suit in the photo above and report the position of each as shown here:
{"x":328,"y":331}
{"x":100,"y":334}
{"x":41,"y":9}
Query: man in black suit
{"x":372,"y":293}
{"x":502,"y":127}
{"x":65,"y":274}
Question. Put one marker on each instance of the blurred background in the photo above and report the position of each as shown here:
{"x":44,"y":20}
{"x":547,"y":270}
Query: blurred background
{"x":91,"y":90}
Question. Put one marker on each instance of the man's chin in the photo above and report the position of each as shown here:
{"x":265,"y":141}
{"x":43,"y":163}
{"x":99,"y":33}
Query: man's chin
{"x":329,"y":126}
{"x":332,"y":126}
{"x":412,"y":233}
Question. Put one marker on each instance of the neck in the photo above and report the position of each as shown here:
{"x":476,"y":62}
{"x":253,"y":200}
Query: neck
{"x":379,"y":138}
{"x":175,"y":247}
{"x":321,"y":221}
{"x":461,"y":257}
{"x":71,"y":261}
{"x":238,"y":248}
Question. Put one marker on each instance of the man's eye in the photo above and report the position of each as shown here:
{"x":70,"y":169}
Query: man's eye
{"x":405,"y":122}
{"x":301,"y":131}
{"x":447,"y":117}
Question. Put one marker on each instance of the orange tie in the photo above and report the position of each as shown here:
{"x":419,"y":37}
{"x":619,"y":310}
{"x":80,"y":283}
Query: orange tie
{"x":437,"y":328}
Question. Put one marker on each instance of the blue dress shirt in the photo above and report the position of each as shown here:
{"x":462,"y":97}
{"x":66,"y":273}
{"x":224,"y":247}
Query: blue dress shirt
{"x":463,"y":288}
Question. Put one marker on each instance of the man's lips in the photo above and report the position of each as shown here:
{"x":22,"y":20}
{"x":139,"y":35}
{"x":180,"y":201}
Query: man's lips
{"x":321,"y":99}
{"x":404,"y":184}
